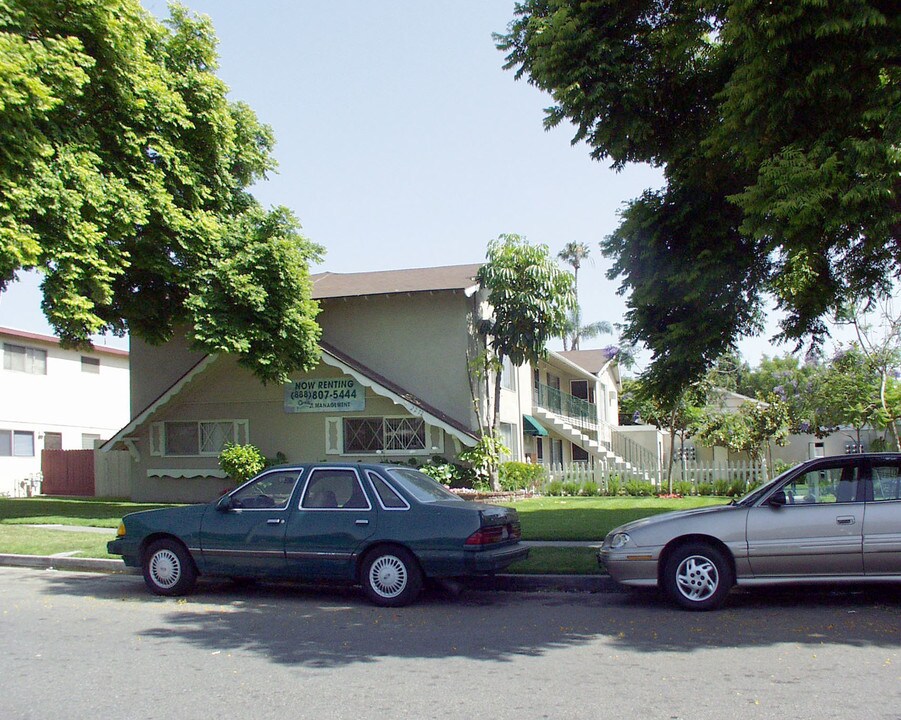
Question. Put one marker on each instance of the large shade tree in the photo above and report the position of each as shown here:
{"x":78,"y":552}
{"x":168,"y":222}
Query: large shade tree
{"x":778,"y":127}
{"x":124,"y":180}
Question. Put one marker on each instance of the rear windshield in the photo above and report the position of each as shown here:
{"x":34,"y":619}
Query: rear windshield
{"x":421,"y":486}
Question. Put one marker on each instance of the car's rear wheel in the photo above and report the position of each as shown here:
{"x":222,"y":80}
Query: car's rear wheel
{"x":169,"y":568}
{"x":698,"y":576}
{"x":391,"y":577}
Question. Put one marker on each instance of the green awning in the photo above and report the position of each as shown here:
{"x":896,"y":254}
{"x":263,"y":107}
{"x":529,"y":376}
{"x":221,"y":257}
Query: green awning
{"x":530,"y":426}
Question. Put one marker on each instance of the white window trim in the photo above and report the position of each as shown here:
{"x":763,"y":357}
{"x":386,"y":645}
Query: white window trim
{"x":240,"y":429}
{"x":383,"y":451}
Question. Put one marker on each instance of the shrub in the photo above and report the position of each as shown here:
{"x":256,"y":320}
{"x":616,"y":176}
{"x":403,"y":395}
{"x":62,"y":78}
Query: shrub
{"x":241,"y":462}
{"x":560,"y":488}
{"x":721,"y":486}
{"x":452,"y":475}
{"x":554,"y":488}
{"x":683,"y":488}
{"x":737,"y":488}
{"x":521,"y":476}
{"x":705,"y":489}
{"x":639,"y":488}
{"x":571,"y":489}
{"x":590,"y":489}
{"x":614,"y":485}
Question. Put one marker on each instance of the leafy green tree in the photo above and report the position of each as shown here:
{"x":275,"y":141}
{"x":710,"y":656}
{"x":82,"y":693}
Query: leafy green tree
{"x":777,"y":125}
{"x":679,"y":416}
{"x":877,"y":326}
{"x":530,"y":297}
{"x":848,"y":393}
{"x":796,"y":383}
{"x":125,"y":178}
{"x":751,"y":429}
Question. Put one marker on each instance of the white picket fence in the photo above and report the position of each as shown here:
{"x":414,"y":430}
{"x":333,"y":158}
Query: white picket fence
{"x":700,"y":475}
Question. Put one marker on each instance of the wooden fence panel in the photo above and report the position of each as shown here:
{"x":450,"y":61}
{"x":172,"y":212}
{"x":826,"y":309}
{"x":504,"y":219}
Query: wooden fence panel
{"x":112,"y":474}
{"x":68,"y":472}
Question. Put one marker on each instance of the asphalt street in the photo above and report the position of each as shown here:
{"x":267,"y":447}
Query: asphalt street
{"x":83,"y":645}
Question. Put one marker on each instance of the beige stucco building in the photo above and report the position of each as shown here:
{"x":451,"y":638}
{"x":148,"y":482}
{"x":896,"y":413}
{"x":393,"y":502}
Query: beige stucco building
{"x":392,"y":384}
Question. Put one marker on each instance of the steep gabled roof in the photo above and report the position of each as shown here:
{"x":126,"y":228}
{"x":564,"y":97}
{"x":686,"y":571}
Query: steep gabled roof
{"x":330,"y":356}
{"x":391,"y":282}
{"x":591,"y":360}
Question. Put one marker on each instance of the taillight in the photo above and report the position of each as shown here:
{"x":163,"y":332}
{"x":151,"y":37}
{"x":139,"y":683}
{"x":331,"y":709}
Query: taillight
{"x":494,"y":534}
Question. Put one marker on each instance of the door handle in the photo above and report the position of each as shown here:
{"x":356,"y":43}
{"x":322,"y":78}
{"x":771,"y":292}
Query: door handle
{"x":361,"y":522}
{"x":274,"y":521}
{"x":845,"y":520}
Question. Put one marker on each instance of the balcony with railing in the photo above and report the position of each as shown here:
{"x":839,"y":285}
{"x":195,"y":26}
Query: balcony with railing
{"x":580,"y":413}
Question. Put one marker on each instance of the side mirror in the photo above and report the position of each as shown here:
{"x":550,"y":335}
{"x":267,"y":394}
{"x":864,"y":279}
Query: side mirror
{"x":777,"y":499}
{"x":224,"y":503}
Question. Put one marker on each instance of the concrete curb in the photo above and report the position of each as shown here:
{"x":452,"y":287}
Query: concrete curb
{"x":100,"y":565}
{"x":505,"y":583}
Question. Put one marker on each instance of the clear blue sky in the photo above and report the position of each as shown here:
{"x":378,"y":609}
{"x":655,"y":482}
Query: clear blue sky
{"x":402,"y":142}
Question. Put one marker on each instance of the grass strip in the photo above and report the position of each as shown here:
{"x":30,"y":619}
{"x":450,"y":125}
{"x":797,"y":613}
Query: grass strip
{"x":89,"y":512}
{"x":557,"y":561}
{"x":21,"y":540}
{"x":591,"y":518}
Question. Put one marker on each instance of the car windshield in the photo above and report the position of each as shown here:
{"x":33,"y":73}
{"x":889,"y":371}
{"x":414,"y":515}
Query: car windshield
{"x":755,"y":495}
{"x":421,"y":486}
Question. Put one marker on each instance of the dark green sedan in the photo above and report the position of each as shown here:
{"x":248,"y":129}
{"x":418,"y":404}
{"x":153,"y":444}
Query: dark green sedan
{"x":384,"y":527}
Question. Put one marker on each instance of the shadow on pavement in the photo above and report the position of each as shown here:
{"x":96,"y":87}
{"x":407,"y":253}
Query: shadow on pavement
{"x":322,"y":627}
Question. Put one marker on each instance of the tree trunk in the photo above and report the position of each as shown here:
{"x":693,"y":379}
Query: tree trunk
{"x":495,"y":423}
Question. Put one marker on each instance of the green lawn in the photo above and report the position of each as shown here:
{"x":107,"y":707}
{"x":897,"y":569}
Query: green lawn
{"x":22,"y":540}
{"x":591,"y":518}
{"x":67,"y":511}
{"x":558,"y":561}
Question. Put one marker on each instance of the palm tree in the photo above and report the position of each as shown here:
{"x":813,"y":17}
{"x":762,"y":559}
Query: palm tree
{"x":574,"y":253}
{"x":575,"y":330}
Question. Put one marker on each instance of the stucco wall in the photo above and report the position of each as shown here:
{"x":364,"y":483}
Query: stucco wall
{"x":66,"y":401}
{"x":417,"y":341}
{"x":225,"y":391}
{"x":154,"y":368}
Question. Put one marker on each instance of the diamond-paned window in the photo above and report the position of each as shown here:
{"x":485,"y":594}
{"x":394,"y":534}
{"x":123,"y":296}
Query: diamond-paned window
{"x":404,"y":434}
{"x":367,"y":435}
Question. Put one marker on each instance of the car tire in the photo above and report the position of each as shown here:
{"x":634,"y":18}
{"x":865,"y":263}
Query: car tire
{"x":169,"y":568}
{"x":391,"y":577}
{"x":697,"y":576}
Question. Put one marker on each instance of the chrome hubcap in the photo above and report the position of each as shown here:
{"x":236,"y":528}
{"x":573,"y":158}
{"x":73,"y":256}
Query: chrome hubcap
{"x":165,"y":569}
{"x":388,"y":576}
{"x":697,"y":578}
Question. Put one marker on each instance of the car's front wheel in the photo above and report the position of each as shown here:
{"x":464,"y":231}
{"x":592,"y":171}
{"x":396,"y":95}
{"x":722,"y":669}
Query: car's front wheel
{"x":698,"y":576}
{"x":168,"y":568}
{"x":391,"y":577}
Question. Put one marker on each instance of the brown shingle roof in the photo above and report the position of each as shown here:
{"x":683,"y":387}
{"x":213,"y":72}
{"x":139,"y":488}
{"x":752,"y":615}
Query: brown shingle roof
{"x":591,"y":360}
{"x":390,"y":282}
{"x":53,"y":340}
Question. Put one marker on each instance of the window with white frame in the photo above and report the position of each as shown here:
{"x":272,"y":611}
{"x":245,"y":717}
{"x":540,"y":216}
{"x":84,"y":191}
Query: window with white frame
{"x":368,"y":435}
{"x":16,"y":443}
{"x":196,"y":438}
{"x":90,"y":365}
{"x":508,"y":375}
{"x":20,"y":358}
{"x":508,"y":438}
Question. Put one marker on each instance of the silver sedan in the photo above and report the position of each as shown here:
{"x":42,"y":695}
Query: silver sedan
{"x":828,"y":520}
